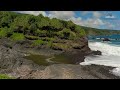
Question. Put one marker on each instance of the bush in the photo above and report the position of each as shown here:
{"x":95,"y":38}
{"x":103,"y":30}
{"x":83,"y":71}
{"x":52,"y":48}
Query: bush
{"x":38,"y":42}
{"x":80,"y":31}
{"x":17,"y":37}
{"x":72,"y":35}
{"x":60,"y":46}
{"x":4,"y":32}
{"x":3,"y":76}
{"x":66,"y":34}
{"x":48,"y":39}
{"x":49,"y":44}
{"x":40,"y":33}
{"x":31,"y":37}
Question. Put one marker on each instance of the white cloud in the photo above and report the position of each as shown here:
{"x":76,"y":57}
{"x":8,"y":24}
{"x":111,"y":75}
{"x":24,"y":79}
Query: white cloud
{"x":85,"y":12}
{"x":90,"y":22}
{"x":110,"y":17}
{"x":76,"y":20}
{"x":109,"y":25}
{"x":94,"y":21}
{"x":33,"y":12}
{"x":96,"y":14}
{"x":65,"y":15}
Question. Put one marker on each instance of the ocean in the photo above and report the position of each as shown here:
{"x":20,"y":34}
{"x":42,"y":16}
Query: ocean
{"x":110,"y":52}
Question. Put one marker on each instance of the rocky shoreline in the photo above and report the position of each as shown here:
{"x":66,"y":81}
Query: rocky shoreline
{"x":13,"y":64}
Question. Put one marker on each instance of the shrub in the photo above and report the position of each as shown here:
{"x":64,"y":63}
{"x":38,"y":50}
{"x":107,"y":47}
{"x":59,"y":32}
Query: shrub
{"x":49,"y":44}
{"x":48,"y":39}
{"x":80,"y":31}
{"x":66,"y":34}
{"x":72,"y":35}
{"x":17,"y":37}
{"x":4,"y":32}
{"x":38,"y":42}
{"x":60,"y":46}
{"x":40,"y":33}
{"x":31,"y":37}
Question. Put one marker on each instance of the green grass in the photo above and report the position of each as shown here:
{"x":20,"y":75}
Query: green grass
{"x":67,"y":34}
{"x":49,"y":44}
{"x":17,"y":37}
{"x":38,"y":42}
{"x":60,"y":46}
{"x":30,"y":37}
{"x":4,"y":76}
{"x":3,"y":33}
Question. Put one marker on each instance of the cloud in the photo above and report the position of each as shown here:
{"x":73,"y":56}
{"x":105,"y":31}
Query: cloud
{"x":110,"y":17}
{"x":85,"y":12}
{"x":33,"y":12}
{"x":95,"y":21}
{"x":90,"y":22}
{"x":76,"y":20}
{"x":110,"y":25}
{"x":96,"y":14}
{"x":64,"y":15}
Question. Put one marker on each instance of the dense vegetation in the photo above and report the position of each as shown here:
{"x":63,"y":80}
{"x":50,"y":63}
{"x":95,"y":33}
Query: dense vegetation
{"x":94,"y":31}
{"x":39,"y":29}
{"x":43,"y":31}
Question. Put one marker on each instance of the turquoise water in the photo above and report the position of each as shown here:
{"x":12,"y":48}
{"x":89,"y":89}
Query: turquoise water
{"x":114,"y":39}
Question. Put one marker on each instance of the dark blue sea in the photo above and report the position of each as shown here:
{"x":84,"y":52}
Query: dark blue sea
{"x":114,"y":39}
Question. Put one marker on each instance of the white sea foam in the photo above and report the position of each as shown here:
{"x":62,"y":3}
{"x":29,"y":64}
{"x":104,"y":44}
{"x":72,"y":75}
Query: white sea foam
{"x":106,"y":48}
{"x":110,"y":56}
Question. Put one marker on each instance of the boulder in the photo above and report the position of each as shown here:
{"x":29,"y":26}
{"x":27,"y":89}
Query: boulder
{"x":106,"y":39}
{"x":97,"y":52}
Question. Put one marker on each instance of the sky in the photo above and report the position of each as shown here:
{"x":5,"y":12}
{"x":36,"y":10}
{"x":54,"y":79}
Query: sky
{"x":95,"y":19}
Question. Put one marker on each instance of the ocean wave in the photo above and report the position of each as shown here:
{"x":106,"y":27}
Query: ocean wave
{"x":110,"y":56}
{"x":105,"y":48}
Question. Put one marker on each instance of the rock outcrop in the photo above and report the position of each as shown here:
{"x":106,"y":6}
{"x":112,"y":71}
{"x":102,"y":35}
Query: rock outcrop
{"x":106,"y":39}
{"x":13,"y":64}
{"x":96,"y":52}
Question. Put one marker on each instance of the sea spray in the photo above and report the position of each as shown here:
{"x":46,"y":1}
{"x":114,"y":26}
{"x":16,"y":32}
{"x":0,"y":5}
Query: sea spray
{"x":110,"y":56}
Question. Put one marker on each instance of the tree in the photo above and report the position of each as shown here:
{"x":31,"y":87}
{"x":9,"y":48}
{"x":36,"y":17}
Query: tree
{"x":6,"y":18}
{"x":70,"y":25}
{"x":20,"y":23}
{"x":79,"y":31}
{"x":55,"y":24}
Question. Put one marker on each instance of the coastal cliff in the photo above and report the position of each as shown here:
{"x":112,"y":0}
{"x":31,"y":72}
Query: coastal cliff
{"x":23,"y":35}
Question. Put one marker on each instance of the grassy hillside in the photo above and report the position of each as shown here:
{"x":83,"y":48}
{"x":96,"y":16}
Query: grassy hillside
{"x":43,"y":31}
{"x":94,"y":31}
{"x":39,"y":29}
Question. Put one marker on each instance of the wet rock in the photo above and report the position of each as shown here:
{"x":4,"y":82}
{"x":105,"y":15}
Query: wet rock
{"x":106,"y":39}
{"x":96,"y":52}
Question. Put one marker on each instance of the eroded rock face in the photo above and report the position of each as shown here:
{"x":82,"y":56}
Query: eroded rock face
{"x":13,"y":63}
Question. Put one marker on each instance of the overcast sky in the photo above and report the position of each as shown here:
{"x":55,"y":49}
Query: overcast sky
{"x":95,"y":19}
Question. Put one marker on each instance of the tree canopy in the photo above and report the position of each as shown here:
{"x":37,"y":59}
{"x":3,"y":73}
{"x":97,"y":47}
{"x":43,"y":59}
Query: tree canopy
{"x":38,"y":25}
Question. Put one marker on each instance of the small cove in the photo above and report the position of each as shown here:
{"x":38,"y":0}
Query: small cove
{"x":48,"y":60}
